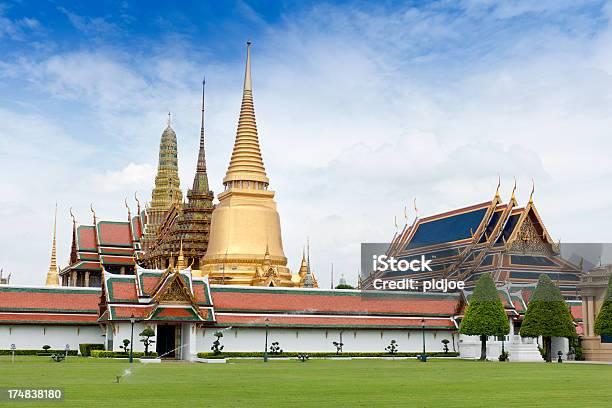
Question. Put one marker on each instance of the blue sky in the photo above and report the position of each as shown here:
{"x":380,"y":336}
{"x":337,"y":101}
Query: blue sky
{"x":361,"y":107}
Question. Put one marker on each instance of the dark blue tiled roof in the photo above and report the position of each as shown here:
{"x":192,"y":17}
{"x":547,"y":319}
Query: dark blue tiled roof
{"x":552,"y":275}
{"x":447,"y":229}
{"x":491,"y":226}
{"x":509,"y":227}
{"x":531,"y":260}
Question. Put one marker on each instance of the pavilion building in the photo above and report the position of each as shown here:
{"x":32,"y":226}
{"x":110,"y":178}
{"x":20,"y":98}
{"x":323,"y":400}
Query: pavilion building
{"x":500,"y":238}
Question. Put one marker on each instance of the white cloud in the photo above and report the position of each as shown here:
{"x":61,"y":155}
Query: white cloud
{"x":131,"y":177}
{"x":358,"y":112}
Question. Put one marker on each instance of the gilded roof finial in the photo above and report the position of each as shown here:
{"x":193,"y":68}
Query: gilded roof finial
{"x":416,"y":210}
{"x":95,"y":220}
{"x":514,"y":190}
{"x":137,"y":201}
{"x":532,"y":191}
{"x":405,"y":214}
{"x":72,"y":216}
{"x":169,"y":121}
{"x":498,"y":186}
{"x":128,"y":208}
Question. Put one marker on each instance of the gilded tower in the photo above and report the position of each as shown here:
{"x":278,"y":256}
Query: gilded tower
{"x":184,"y":231}
{"x":167,"y":192}
{"x":245,"y":245}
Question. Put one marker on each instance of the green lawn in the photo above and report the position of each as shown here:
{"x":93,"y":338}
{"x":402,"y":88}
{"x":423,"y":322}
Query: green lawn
{"x":408,"y":383}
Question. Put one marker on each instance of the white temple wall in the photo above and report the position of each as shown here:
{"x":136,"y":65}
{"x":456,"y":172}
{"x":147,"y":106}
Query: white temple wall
{"x":321,"y":340}
{"x":123,"y":331}
{"x":34,"y":337}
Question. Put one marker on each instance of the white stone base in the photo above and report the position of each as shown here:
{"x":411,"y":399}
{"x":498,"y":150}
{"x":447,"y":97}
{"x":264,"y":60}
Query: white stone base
{"x":211,"y":360}
{"x":150,"y":360}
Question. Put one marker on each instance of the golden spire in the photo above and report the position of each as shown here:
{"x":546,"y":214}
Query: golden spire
{"x":304,"y":265}
{"x":514,"y":190}
{"x":52,"y":275}
{"x":267,"y":260}
{"x":181,"y":263}
{"x":532,"y":191}
{"x":246,"y":164}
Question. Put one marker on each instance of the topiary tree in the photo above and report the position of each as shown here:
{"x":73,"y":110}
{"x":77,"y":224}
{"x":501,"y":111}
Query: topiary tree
{"x":338,"y":345}
{"x":217,"y":347}
{"x":126,"y":346}
{"x":445,"y":347}
{"x":548,"y":315}
{"x":603,"y":322}
{"x":275,"y":348}
{"x":147,"y":333}
{"x":485,"y":315}
{"x":46,"y":347}
{"x":392,"y":347}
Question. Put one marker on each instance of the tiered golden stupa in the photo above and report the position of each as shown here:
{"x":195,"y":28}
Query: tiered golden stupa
{"x":245,"y":245}
{"x":167,"y":191}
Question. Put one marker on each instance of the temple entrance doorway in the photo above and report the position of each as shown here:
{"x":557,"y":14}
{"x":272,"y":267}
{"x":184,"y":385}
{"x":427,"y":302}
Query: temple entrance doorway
{"x":166,"y":341}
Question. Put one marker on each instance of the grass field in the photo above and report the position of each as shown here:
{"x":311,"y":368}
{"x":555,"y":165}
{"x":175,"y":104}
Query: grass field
{"x":372,"y":383}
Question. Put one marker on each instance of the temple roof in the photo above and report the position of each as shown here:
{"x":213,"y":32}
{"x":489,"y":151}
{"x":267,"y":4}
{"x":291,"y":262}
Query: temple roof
{"x":106,"y":243}
{"x":49,"y":305}
{"x":496,"y":237}
{"x":318,"y":301}
{"x":154,"y":295}
{"x":243,"y":306}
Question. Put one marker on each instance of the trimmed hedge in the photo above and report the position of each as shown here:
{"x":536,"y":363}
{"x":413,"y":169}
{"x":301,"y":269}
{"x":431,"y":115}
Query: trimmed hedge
{"x":328,"y":354}
{"x":86,"y":348}
{"x":120,"y":354}
{"x":37,"y":352}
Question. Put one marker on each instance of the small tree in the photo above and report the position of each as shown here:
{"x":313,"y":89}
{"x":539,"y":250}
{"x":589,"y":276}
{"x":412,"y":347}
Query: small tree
{"x":126,"y":346}
{"x":603,"y":322}
{"x":46,"y":347}
{"x":485,"y":315}
{"x":445,"y":343}
{"x":217,"y":347}
{"x":392,"y":347}
{"x":548,"y":315}
{"x":338,"y":345}
{"x":275,"y":348}
{"x":147,"y":333}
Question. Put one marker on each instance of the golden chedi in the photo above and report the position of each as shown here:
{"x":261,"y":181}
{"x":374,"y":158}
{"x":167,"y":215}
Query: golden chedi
{"x":245,"y":245}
